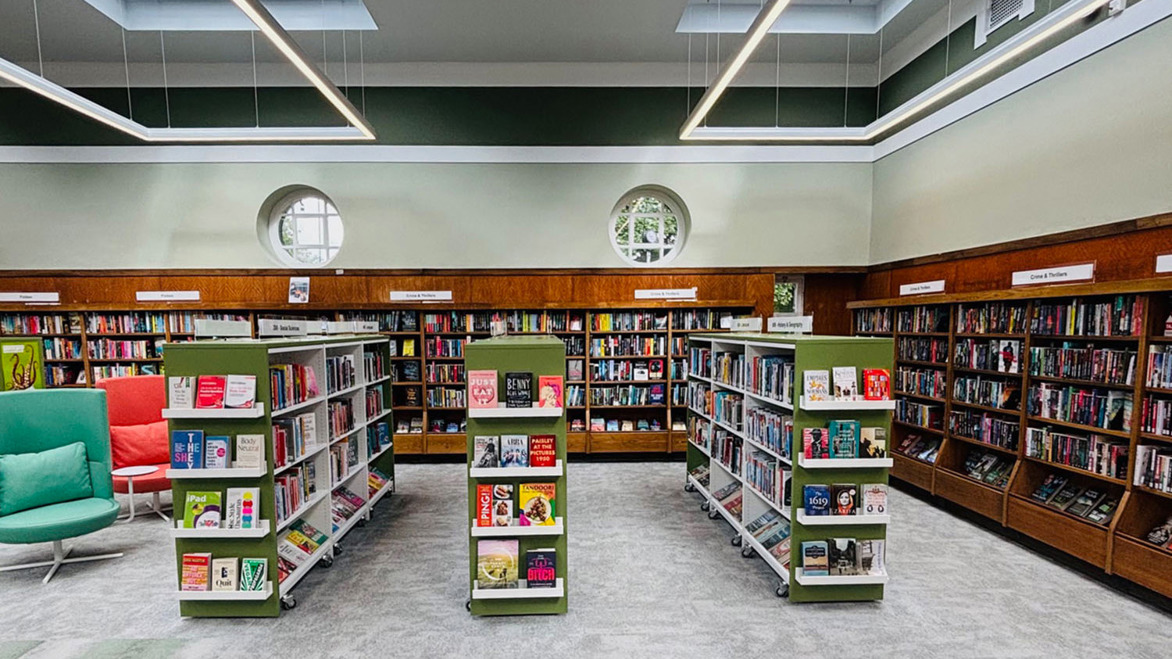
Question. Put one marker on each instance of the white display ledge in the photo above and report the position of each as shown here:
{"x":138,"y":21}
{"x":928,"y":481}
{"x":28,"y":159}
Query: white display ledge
{"x":259,"y":532}
{"x":386,"y":489}
{"x":846,"y":405}
{"x":514,"y":412}
{"x":699,"y":448}
{"x":219,"y":413}
{"x":514,"y":472}
{"x":234,"y":472}
{"x":699,"y":488}
{"x":770,"y":560}
{"x":839,"y":579}
{"x":228,"y":595}
{"x":844,"y":463}
{"x":785,"y":405}
{"x":298,"y":406}
{"x":380,"y":452}
{"x":558,"y":528}
{"x":840,"y":520}
{"x":523,"y":592}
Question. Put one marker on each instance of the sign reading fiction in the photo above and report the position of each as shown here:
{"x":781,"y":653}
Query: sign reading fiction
{"x":919,"y":288}
{"x":746,"y":325}
{"x":1164,"y":263}
{"x":1081,"y":272}
{"x":30,"y":297}
{"x":791,"y":324}
{"x":166,"y":296}
{"x":277,"y":327}
{"x":421,"y":296}
{"x":666,"y":293}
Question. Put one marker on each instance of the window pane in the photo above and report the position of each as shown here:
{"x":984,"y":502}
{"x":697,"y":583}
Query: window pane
{"x":309,"y":231}
{"x":285,"y":229}
{"x":336,"y":231}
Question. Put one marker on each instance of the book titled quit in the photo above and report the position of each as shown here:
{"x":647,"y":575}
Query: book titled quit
{"x":518,"y":389}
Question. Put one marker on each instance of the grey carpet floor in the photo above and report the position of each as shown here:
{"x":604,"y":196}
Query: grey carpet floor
{"x":650,"y":576}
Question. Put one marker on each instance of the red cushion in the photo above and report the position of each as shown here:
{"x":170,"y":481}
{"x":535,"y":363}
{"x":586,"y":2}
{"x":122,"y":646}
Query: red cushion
{"x":136,"y":399}
{"x":156,"y":482}
{"x":134,"y":446}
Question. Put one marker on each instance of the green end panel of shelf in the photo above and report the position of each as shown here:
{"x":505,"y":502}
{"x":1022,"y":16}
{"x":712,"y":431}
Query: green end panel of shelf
{"x":22,"y":364}
{"x":539,"y":355}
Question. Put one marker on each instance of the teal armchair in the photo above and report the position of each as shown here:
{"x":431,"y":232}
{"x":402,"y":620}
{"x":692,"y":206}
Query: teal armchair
{"x":32,"y":422}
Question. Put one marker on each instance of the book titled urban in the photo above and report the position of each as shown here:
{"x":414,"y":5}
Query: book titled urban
{"x":518,"y":389}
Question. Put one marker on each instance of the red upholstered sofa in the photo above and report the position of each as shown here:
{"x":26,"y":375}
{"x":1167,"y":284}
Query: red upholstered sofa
{"x":138,"y":433}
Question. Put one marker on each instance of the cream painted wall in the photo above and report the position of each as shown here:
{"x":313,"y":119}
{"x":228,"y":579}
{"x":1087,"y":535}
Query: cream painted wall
{"x":1090,"y":145}
{"x":77,"y":216}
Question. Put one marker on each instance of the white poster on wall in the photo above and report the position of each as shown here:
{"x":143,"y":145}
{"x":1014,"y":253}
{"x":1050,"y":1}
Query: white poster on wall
{"x":1163,"y":263}
{"x":746,"y":324}
{"x":298,"y":290}
{"x":1059,"y":275}
{"x":666,"y":293}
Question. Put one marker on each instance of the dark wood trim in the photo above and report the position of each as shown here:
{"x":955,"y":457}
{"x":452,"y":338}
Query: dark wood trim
{"x":1024,"y":293}
{"x":437,"y":272}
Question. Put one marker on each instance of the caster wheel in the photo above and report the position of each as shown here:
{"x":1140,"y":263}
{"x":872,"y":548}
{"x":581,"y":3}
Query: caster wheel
{"x":748,"y":552}
{"x":337,"y":550}
{"x":688,"y":487}
{"x":468,"y":605}
{"x":326,"y":562}
{"x":705,"y":506}
{"x":736,"y":541}
{"x":362,"y":522}
{"x":712,"y":514}
{"x":288,"y":603}
{"x":783,"y":590}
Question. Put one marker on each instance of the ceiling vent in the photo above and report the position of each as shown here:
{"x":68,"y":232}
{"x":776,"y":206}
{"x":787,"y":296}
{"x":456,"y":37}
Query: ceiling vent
{"x":993,"y":14}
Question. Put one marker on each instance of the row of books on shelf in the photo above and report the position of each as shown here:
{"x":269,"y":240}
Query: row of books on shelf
{"x":340,"y":373}
{"x":1079,"y":362}
{"x":1159,"y":372}
{"x":120,"y":371}
{"x":988,"y":467}
{"x":1110,"y":410}
{"x":112,"y":349}
{"x":340,"y":417}
{"x":770,"y":429}
{"x":403,"y":348}
{"x":191,"y":450}
{"x":769,"y":476}
{"x":985,"y":427}
{"x":212,"y":392}
{"x":727,"y":449}
{"x":292,"y":384}
{"x":773,"y":531}
{"x":292,"y":489}
{"x":498,"y":565}
{"x":238,"y":508}
{"x":729,"y":368}
{"x":535,"y":503}
{"x":844,"y":439}
{"x":447,"y":397}
{"x":991,"y":318}
{"x":443,"y":373}
{"x":378,"y":437}
{"x":344,"y":505}
{"x":843,"y":557}
{"x":492,"y":451}
{"x":437,"y":347}
{"x":920,"y":447}
{"x":816,"y":384}
{"x":1121,"y":315}
{"x":32,"y":323}
{"x":990,"y":392}
{"x":374,"y":401}
{"x":920,"y":381}
{"x":628,"y":346}
{"x":1153,"y":467}
{"x":376,"y":480}
{"x":874,"y":321}
{"x":296,"y":546}
{"x":518,"y":390}
{"x":922,"y":319}
{"x":1096,"y":454}
{"x":628,"y":321}
{"x":771,"y":377}
{"x":1092,"y":504}
{"x":293,"y":438}
{"x":919,"y":414}
{"x":1002,"y":355}
{"x":615,"y":395}
{"x":604,"y":424}
{"x":839,"y":499}
{"x":344,"y":459}
{"x":633,"y":370}
{"x":135,"y":322}
{"x":923,"y":348}
{"x":1156,"y":416}
{"x":203,"y":572}
{"x":730,"y":498}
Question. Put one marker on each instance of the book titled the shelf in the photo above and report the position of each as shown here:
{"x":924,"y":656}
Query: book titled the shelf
{"x":196,"y":571}
{"x":186,"y":449}
{"x":180,"y":390}
{"x":846,"y":384}
{"x":240,"y":392}
{"x":542,"y":450}
{"x":496,"y":563}
{"x":541,"y":568}
{"x":518,"y":389}
{"x":514,"y":451}
{"x":225,"y":574}
{"x":537,"y":504}
{"x":209,"y":393}
{"x":201,"y":510}
{"x":482,"y":389}
{"x":816,"y":384}
{"x":550,"y":391}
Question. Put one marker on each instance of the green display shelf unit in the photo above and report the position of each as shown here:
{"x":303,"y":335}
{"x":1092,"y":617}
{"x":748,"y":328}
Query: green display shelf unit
{"x":539,"y":355}
{"x":254,"y":357}
{"x":725,"y":450}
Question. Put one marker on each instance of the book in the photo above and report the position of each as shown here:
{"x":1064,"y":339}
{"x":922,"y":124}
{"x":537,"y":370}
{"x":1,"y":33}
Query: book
{"x":215,"y":453}
{"x":846,"y":384}
{"x":209,"y":392}
{"x":483,"y":505}
{"x":518,"y":389}
{"x":876,"y":384}
{"x":1161,"y":534}
{"x":542,"y":450}
{"x":816,"y":384}
{"x":873,"y":443}
{"x":242,"y":508}
{"x":1008,"y":360}
{"x":612,"y":425}
{"x":1065,"y":496}
{"x":815,"y":558}
{"x":486,"y":452}
{"x":180,"y":391}
{"x":844,"y":499}
{"x":186,"y":449}
{"x":1102,"y":513}
{"x":537,"y":504}
{"x":502,"y":504}
{"x":1049,"y":488}
{"x":250,"y":450}
{"x":844,"y":439}
{"x":240,"y":392}
{"x":640,"y":372}
{"x":816,"y":500}
{"x":496,"y":563}
{"x":482,"y":389}
{"x":196,"y":571}
{"x":201,"y":510}
{"x":224,"y":574}
{"x":575,"y":370}
{"x":514,"y":450}
{"x":597,"y":424}
{"x":870,"y":556}
{"x":550,"y":391}
{"x":252,"y":573}
{"x":843,"y":556}
{"x":655,"y":394}
{"x":815,"y":443}
{"x":1085,"y":502}
{"x":627,"y":425}
{"x":541,"y":568}
{"x":874,"y":499}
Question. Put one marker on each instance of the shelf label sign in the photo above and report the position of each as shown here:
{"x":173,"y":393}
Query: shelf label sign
{"x":746,"y":324}
{"x":1081,"y":272}
{"x":1163,"y":263}
{"x":30,"y":297}
{"x":666,"y":293}
{"x":278,"y":327}
{"x":920,"y":288}
{"x":791,"y":324}
{"x":421,"y":296}
{"x":366,"y":326}
{"x":208,"y":327}
{"x":166,"y":296}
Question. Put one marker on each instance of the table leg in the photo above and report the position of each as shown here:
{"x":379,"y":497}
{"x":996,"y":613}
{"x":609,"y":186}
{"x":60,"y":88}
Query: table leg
{"x":130,"y":490}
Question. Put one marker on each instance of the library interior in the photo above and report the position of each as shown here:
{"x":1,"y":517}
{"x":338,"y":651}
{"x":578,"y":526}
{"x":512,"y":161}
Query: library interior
{"x":732,"y":328}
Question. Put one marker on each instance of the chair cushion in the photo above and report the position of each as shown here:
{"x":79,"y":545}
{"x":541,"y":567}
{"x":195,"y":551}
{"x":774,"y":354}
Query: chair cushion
{"x":58,"y":521}
{"x":134,"y":446}
{"x":156,"y":482}
{"x":31,"y":480}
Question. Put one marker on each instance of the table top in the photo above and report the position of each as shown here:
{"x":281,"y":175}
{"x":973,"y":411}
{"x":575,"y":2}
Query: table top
{"x":134,"y":471}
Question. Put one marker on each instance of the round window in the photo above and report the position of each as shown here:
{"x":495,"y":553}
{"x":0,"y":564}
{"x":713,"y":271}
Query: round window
{"x":304,"y":228}
{"x":648,"y":226}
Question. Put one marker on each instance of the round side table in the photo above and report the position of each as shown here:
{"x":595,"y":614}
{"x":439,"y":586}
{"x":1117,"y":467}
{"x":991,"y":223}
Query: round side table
{"x":129,"y":473}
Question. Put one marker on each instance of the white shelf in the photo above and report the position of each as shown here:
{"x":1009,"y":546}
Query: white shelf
{"x":377,"y":417}
{"x":299,"y":406}
{"x":761,"y":447}
{"x":771,"y":401}
{"x":298,"y":574}
{"x":730,"y":387}
{"x":347,"y":390}
{"x":699,"y":448}
{"x":316,"y":499}
{"x":729,"y":428}
{"x":770,"y":560}
{"x":839,"y":579}
{"x":259,"y":532}
{"x":380,"y":452}
{"x":844,"y":463}
{"x":378,"y":381}
{"x":351,"y":523}
{"x":312,"y":452}
{"x":348,"y":433}
{"x":697,"y":376}
{"x":515,"y":531}
{"x":840,"y":520}
{"x":514,"y":412}
{"x":234,"y":472}
{"x":846,"y":405}
{"x":515,"y":472}
{"x":247,"y":413}
{"x":345,"y":479}
{"x":701,"y":415}
{"x":769,"y":502}
{"x":699,"y":488}
{"x":523,"y":592}
{"x":228,"y":595}
{"x":382,"y":493}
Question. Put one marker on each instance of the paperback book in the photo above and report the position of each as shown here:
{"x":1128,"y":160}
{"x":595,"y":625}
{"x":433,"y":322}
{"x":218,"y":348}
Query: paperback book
{"x":816,"y":385}
{"x":482,"y":389}
{"x":874,"y":499}
{"x":240,"y":392}
{"x":209,"y":393}
{"x":518,"y":389}
{"x":816,"y":500}
{"x":815,"y":443}
{"x":550,"y":391}
{"x":873,"y":443}
{"x":541,"y":568}
{"x":844,"y":439}
{"x":845,"y":498}
{"x":215,"y":453}
{"x":225,"y":574}
{"x":876,"y":384}
{"x":180,"y":390}
{"x":815,"y":558}
{"x":186,"y":449}
{"x":514,"y":451}
{"x":201,"y":510}
{"x":250,"y":451}
{"x":196,"y":572}
{"x":537,"y":504}
{"x":243,"y":508}
{"x":496,"y":563}
{"x":542,"y":450}
{"x":846,"y":384}
{"x":486,"y":452}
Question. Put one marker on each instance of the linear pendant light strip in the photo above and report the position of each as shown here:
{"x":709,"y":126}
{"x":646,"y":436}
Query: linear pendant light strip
{"x":1053,"y":23}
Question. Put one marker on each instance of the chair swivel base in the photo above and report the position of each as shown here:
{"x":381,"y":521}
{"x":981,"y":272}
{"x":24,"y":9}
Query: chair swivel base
{"x":59,"y":559}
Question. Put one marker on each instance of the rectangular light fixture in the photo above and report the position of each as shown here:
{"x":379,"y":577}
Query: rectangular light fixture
{"x":1053,"y":23}
{"x":360,"y":130}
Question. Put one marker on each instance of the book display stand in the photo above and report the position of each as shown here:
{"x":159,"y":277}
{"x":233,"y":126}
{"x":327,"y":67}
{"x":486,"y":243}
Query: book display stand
{"x":308,"y":476}
{"x":507,"y":546}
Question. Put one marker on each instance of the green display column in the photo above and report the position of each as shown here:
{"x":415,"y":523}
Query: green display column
{"x":493,"y":589}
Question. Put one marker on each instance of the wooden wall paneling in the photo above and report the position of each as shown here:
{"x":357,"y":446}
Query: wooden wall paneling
{"x":876,"y":285}
{"x":826,"y":297}
{"x":520,"y":291}
{"x":221,"y":292}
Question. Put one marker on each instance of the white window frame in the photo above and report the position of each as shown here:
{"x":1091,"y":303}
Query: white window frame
{"x":668,"y":252}
{"x":286,"y":253}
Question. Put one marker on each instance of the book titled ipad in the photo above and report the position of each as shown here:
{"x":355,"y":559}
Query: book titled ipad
{"x":486,"y":451}
{"x":181,"y":392}
{"x":250,"y":450}
{"x":201,"y":510}
{"x":240,"y":392}
{"x":225,"y":574}
{"x":846,"y":384}
{"x":514,"y":450}
{"x":215,"y":453}
{"x":209,"y":392}
{"x":242,"y":510}
{"x":482,"y":389}
{"x":816,"y":385}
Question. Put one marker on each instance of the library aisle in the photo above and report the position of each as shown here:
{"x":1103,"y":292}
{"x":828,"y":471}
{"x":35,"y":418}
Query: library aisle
{"x":653,"y":577}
